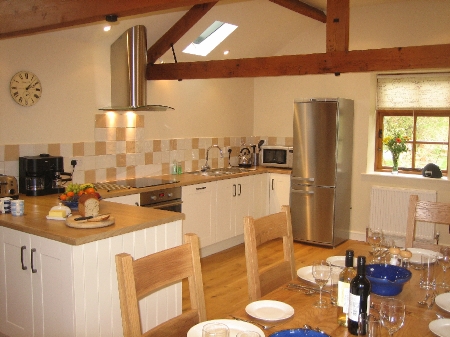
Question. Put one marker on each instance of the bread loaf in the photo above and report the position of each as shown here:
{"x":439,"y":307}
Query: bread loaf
{"x":88,"y":205}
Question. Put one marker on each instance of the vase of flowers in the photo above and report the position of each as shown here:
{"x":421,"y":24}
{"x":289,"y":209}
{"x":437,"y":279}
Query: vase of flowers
{"x":396,"y":144}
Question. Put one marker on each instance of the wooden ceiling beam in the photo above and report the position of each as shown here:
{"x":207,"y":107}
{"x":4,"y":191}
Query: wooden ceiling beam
{"x":338,"y":25}
{"x":402,"y":58}
{"x":177,"y":31}
{"x":302,"y":8}
{"x":25,"y":17}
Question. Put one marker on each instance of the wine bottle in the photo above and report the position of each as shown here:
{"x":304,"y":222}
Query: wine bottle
{"x":359,"y":298}
{"x":345,"y":277}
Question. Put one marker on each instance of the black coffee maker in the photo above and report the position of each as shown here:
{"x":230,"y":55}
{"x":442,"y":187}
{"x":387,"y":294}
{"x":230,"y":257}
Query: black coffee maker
{"x":42,"y":175}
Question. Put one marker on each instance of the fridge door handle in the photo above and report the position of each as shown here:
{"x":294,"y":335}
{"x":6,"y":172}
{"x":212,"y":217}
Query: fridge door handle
{"x":302,"y":192}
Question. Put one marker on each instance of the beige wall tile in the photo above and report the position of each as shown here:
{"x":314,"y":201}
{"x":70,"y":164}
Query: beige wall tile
{"x":131,"y":147}
{"x":148,"y":158}
{"x":11,"y":152}
{"x":157,"y":145}
{"x":140,"y":121}
{"x":89,"y":176}
{"x":195,"y":142}
{"x":121,"y":160}
{"x":78,"y":149}
{"x":101,"y":120}
{"x":111,"y":173}
{"x":100,"y":148}
{"x":54,"y":149}
{"x":120,"y":133}
{"x":131,"y":173}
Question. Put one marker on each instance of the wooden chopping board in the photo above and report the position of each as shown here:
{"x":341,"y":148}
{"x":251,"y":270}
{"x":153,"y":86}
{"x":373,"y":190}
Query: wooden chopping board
{"x":70,"y":221}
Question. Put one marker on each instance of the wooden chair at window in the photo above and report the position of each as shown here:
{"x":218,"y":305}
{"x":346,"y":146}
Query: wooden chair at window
{"x":139,"y":278}
{"x":262,"y":280}
{"x":424,"y":211}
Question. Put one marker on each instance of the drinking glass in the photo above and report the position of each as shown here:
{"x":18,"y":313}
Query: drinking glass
{"x":369,"y":325}
{"x":374,"y":238}
{"x":321,"y":271}
{"x":215,"y":330}
{"x":392,"y":313}
{"x":445,"y":263}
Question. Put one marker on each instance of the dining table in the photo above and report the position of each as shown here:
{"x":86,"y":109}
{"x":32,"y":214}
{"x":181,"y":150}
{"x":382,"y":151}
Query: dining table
{"x":417,"y":316}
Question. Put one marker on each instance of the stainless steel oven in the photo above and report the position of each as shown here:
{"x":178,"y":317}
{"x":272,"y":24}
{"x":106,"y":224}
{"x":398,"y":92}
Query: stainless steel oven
{"x":168,"y":199}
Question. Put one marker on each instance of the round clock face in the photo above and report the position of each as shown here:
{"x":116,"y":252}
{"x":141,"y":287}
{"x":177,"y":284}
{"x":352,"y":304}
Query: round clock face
{"x":25,"y":88}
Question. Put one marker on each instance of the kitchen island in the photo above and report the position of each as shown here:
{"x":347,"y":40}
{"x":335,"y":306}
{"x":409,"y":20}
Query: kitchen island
{"x":61,"y":281}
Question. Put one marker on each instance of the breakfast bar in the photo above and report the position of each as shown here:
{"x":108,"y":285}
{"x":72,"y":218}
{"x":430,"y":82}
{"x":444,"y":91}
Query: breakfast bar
{"x":61,"y":281}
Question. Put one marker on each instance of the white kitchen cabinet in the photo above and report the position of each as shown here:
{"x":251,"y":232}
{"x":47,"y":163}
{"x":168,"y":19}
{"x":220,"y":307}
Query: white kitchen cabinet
{"x":130,"y":199}
{"x":260,"y":195}
{"x":199,"y":208}
{"x":234,"y":201}
{"x":35,"y":287}
{"x":279,"y":189}
{"x":74,"y":290}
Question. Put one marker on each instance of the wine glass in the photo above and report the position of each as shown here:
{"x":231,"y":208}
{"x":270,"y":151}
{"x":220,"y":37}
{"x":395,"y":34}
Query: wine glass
{"x":392,"y":313}
{"x":321,"y":271}
{"x":374,"y":238}
{"x":445,"y":263}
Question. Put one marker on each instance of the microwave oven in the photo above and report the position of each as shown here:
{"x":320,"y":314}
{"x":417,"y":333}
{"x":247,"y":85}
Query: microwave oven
{"x":276,"y":156}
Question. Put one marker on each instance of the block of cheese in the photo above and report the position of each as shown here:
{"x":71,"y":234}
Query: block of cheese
{"x":88,"y":205}
{"x":59,"y":213}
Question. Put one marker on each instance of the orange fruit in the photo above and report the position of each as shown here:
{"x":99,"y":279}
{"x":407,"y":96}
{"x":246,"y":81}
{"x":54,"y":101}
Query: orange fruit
{"x":70,"y":194}
{"x":63,"y":197}
{"x":80,"y":193}
{"x":89,"y":190}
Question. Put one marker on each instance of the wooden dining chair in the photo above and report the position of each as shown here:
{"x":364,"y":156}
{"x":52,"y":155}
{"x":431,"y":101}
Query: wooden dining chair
{"x":262,"y":280}
{"x":425,"y":211}
{"x":139,"y":278}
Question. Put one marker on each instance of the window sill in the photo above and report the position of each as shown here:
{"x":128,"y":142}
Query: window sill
{"x":404,"y":177}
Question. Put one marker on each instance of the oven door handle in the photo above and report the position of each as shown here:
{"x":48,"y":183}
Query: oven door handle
{"x":165,"y":204}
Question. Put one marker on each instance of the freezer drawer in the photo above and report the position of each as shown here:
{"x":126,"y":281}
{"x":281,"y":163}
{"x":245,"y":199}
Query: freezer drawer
{"x":312,"y":212}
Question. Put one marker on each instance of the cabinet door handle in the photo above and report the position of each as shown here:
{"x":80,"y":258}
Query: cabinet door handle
{"x":240,"y":189}
{"x":33,"y":250}
{"x":200,"y":188}
{"x":136,"y":203}
{"x":234,"y":190}
{"x":22,"y":249}
{"x":272,"y":183}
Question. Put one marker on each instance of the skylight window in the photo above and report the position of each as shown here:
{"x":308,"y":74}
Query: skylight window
{"x":210,"y":38}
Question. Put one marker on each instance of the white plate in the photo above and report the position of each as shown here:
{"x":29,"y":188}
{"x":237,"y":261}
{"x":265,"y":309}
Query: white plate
{"x":305,"y":273}
{"x":339,"y":261}
{"x":443,"y":301}
{"x":416,"y":252}
{"x":55,"y":218}
{"x":234,"y":326}
{"x":440,"y":327}
{"x":269,"y":310}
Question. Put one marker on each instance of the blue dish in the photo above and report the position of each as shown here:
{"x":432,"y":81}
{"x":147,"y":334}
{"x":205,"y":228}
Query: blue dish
{"x":386,"y":279}
{"x":297,"y":333}
{"x":71,"y":204}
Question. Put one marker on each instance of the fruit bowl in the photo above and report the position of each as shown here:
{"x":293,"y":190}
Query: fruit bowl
{"x":73,"y":205}
{"x":386,"y":279}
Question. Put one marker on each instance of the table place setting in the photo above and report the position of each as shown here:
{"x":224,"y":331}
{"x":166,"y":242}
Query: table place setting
{"x":234,"y":327}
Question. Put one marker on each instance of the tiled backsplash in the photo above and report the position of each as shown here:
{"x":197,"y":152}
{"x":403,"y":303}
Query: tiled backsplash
{"x":120,"y":151}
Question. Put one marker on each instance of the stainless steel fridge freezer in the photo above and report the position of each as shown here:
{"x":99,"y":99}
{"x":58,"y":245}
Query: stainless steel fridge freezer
{"x":320,"y":196}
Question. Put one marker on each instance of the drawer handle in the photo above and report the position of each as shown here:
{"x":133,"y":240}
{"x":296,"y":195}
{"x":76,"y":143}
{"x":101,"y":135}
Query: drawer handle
{"x":22,"y":249}
{"x":200,"y":188}
{"x":33,"y":250}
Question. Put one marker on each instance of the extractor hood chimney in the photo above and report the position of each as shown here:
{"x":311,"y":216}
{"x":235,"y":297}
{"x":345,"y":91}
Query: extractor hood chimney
{"x":128,"y":67}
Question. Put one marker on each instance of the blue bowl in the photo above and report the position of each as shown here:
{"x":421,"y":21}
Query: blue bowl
{"x":73,"y":205}
{"x":386,"y":279}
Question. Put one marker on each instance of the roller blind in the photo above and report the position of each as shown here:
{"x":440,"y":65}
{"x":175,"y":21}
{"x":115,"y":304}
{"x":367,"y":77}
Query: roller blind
{"x":417,"y":91}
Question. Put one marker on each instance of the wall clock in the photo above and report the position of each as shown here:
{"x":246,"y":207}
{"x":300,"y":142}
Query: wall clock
{"x":25,"y":87}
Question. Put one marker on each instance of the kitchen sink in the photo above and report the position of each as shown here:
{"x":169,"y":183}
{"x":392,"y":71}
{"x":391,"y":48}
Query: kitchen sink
{"x":220,"y":171}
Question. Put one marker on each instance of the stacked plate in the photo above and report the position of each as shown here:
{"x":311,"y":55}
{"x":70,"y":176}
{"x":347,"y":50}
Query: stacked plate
{"x":441,"y":327}
{"x":234,"y":326}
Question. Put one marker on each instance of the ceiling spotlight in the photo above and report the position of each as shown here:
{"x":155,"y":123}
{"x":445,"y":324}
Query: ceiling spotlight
{"x":226,"y":52}
{"x":111,"y":17}
{"x":107,"y":28}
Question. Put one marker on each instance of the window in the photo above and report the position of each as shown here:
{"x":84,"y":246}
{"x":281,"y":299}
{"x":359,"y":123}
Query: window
{"x":413,"y":109}
{"x":428,"y":138}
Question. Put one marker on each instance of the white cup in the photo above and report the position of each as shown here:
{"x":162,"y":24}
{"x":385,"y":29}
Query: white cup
{"x":17,"y":207}
{"x":6,"y":205}
{"x":428,"y":272}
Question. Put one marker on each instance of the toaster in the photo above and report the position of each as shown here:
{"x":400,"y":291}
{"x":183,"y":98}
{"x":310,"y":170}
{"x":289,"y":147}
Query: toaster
{"x":8,"y":187}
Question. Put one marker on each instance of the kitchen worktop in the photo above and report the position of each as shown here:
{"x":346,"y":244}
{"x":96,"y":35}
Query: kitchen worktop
{"x":187,"y":178}
{"x":127,"y":219}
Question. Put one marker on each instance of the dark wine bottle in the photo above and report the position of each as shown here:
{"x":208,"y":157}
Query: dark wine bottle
{"x":345,"y":277}
{"x":359,"y":299}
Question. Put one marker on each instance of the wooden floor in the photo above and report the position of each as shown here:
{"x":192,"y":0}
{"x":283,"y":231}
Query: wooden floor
{"x":225,"y":274}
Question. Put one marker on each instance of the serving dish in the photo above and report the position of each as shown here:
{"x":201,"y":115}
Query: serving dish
{"x":234,"y":326}
{"x":339,"y":261}
{"x":386,"y":279}
{"x":269,"y":310}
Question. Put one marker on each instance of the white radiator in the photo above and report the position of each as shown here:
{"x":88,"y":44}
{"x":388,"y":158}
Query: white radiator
{"x":389,"y":211}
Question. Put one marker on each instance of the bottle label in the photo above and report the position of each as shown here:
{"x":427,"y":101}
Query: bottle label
{"x":343,"y":295}
{"x":354,"y":307}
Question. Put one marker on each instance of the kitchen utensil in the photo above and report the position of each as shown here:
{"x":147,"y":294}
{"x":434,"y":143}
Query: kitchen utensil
{"x":260,"y":143}
{"x":255,"y":156}
{"x":229,"y":157}
{"x":245,"y":159}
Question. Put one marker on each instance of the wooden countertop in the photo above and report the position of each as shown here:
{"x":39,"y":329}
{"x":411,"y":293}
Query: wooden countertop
{"x":127,"y":219}
{"x":186,"y":179}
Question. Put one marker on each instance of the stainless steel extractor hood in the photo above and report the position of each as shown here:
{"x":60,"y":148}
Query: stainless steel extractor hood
{"x":128,"y":67}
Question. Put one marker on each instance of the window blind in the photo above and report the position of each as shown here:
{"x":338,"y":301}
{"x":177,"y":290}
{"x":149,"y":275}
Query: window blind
{"x":417,"y":91}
